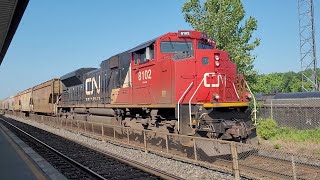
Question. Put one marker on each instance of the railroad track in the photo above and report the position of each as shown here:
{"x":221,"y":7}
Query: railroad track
{"x":77,"y":161}
{"x":277,"y":168}
{"x":264,"y":167}
{"x":257,"y":165}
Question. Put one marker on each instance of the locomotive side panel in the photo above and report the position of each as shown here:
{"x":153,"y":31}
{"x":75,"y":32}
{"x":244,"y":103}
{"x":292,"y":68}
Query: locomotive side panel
{"x":109,"y":84}
{"x":151,"y":76}
{"x":72,"y":87}
{"x":73,"y":95}
{"x":93,"y":88}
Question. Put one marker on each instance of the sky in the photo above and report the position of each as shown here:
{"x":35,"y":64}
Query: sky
{"x":57,"y":37}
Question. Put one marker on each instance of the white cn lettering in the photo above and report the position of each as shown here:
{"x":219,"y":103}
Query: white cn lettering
{"x":87,"y":87}
{"x":94,"y":85}
{"x":212,"y":75}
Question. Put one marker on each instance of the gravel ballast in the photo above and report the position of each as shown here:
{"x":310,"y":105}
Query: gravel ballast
{"x":178,"y":168}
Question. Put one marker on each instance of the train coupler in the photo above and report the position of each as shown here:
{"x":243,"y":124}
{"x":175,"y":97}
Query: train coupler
{"x":238,"y":130}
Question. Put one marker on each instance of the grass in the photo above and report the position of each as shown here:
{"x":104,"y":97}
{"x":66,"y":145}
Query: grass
{"x":269,"y":130}
{"x":305,"y":142}
{"x":299,"y":135}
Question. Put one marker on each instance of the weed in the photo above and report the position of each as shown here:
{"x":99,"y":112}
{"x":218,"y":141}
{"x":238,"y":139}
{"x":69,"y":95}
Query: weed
{"x":267,"y":128}
{"x":277,"y":146}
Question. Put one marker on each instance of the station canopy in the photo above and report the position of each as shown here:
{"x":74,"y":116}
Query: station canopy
{"x":11,"y":12}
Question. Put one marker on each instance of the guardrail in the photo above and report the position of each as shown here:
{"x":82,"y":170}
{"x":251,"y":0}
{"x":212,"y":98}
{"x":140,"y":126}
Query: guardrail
{"x":231,"y":157}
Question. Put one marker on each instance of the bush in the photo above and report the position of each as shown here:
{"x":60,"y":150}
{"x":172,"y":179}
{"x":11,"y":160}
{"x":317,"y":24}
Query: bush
{"x":267,"y":128}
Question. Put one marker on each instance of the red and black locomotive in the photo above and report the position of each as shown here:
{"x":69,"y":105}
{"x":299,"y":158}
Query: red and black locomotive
{"x":178,"y":83}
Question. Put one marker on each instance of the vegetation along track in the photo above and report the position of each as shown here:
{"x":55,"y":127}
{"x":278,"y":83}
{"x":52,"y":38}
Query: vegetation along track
{"x":76,"y":161}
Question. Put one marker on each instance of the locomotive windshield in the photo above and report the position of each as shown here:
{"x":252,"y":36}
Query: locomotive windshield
{"x":204,"y":45}
{"x":176,"y":46}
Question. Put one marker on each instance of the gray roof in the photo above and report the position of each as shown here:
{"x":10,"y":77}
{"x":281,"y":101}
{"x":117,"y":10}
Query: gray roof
{"x":143,"y":45}
{"x":297,"y":95}
{"x":75,"y":77}
{"x":11,"y":12}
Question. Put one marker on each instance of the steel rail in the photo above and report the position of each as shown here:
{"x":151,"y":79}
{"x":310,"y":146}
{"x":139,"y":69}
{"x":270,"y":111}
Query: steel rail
{"x":138,"y":165}
{"x":135,"y":164}
{"x":77,"y":164}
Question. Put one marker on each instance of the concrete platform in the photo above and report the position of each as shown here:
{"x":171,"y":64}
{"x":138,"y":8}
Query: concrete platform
{"x":19,"y":161}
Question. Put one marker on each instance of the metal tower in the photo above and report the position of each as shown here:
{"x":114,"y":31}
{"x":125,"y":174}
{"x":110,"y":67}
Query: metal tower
{"x":307,"y":45}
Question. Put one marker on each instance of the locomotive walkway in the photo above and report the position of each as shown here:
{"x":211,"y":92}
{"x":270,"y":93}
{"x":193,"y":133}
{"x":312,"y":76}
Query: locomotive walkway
{"x":19,"y":161}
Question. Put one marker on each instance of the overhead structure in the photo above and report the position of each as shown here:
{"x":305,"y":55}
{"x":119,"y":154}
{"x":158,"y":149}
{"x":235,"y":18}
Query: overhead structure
{"x":11,"y":12}
{"x":307,"y":45}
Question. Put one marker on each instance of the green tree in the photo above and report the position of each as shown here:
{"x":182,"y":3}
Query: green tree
{"x":223,"y":21}
{"x":281,"y":82}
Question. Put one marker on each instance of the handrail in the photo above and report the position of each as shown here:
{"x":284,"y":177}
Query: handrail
{"x":254,"y":104}
{"x":235,"y":90}
{"x":179,"y":104}
{"x":192,"y":98}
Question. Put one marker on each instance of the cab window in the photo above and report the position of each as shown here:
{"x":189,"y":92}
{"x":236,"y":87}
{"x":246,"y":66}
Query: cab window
{"x":144,"y":55}
{"x":136,"y":58}
{"x":204,"y":45}
{"x":175,"y":46}
{"x":150,"y":52}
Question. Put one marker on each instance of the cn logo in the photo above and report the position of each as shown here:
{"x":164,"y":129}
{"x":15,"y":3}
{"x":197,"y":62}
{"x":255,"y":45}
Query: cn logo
{"x":214,"y":82}
{"x":91,"y":85}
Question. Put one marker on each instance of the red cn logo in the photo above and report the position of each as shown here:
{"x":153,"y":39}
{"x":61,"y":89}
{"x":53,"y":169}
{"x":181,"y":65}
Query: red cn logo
{"x":212,"y":80}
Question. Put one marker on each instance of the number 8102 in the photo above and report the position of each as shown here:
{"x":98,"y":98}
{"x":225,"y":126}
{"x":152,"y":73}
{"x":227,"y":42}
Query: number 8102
{"x":144,"y":75}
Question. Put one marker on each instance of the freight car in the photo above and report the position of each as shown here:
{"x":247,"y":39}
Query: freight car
{"x":4,"y":105}
{"x":9,"y":103}
{"x":40,"y":99}
{"x":25,"y":101}
{"x":45,"y":97}
{"x":1,"y":107}
{"x":16,"y":102}
{"x":178,"y":82}
{"x":296,"y":110}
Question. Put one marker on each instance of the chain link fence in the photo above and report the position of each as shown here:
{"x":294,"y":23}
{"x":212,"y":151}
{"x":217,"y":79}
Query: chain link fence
{"x":241,"y":160}
{"x":294,"y":113}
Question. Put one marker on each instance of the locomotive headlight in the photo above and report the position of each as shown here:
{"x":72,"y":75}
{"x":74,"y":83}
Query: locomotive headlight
{"x":217,"y":63}
{"x":217,"y":57}
{"x":216,"y":97}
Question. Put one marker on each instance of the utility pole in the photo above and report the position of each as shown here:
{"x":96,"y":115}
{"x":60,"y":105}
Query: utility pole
{"x":307,"y":45}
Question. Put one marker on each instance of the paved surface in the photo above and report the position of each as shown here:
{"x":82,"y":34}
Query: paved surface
{"x":12,"y":165}
{"x":19,"y":161}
